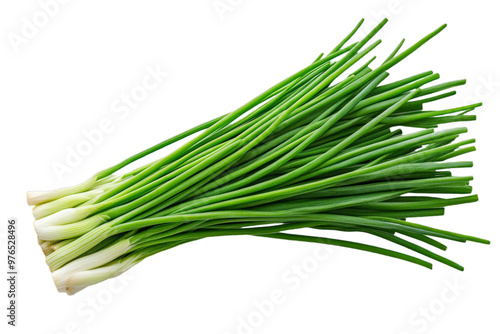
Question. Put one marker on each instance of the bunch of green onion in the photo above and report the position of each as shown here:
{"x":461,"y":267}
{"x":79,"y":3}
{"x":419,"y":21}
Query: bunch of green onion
{"x":324,"y":149}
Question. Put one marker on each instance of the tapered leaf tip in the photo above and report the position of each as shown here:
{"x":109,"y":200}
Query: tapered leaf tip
{"x":442,"y":27}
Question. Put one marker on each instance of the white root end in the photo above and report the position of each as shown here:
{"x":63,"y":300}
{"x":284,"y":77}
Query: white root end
{"x":39,"y":197}
{"x":70,"y":201}
{"x":60,"y":276}
{"x":65,"y":216}
{"x":69,"y":231}
{"x":85,"y":278}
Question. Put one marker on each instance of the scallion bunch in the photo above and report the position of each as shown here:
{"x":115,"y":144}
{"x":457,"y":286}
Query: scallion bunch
{"x":332,"y":147}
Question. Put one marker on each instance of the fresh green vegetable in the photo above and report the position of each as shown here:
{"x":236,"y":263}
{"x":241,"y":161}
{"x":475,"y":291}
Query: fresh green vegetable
{"x":332,"y":147}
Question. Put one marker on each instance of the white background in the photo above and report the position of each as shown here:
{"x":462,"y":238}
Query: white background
{"x":69,"y":75}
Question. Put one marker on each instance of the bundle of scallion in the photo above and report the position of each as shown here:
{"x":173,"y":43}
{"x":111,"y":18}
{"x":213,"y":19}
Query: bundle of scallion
{"x":324,"y":149}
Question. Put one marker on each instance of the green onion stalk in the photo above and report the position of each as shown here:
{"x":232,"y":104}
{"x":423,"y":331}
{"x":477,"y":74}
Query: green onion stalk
{"x":333,"y":147}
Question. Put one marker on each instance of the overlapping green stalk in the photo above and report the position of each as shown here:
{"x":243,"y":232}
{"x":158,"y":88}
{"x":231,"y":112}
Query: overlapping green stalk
{"x":333,"y":147}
